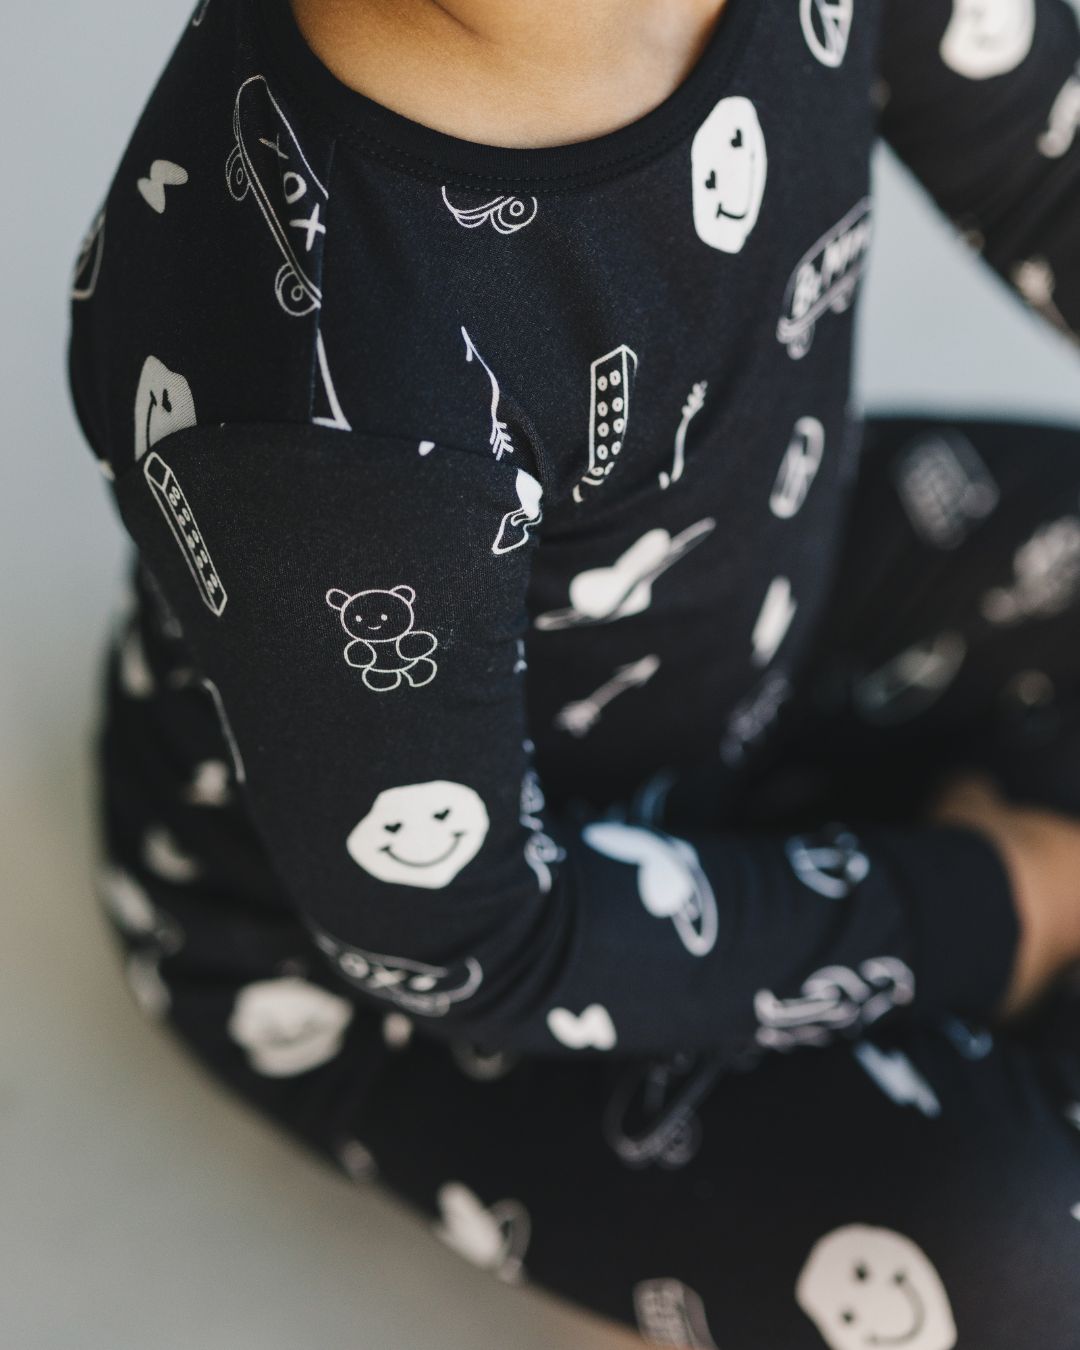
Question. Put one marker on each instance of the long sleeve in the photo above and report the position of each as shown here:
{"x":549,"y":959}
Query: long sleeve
{"x":982,"y":102}
{"x":358,"y":604}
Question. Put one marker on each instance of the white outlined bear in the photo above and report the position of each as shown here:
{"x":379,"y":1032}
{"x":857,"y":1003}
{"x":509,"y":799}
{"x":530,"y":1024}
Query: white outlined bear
{"x":385,"y":646}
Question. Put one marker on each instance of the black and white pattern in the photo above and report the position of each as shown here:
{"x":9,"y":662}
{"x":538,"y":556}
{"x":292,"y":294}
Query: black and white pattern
{"x":480,"y":498}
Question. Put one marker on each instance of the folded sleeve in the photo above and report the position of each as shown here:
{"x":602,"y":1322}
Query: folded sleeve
{"x":982,"y":102}
{"x":359,"y":605}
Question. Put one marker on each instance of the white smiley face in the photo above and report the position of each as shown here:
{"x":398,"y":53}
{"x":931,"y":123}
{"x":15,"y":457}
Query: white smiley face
{"x":163,"y":404}
{"x":728,"y":166}
{"x":865,"y":1287}
{"x":988,"y":37}
{"x":288,"y":1025}
{"x":420,"y":834}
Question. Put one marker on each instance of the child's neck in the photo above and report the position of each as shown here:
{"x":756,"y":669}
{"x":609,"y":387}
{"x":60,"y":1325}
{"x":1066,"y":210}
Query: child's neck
{"x":522,"y":73}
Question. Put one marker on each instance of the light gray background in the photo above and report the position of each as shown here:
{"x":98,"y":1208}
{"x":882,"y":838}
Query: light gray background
{"x":142,"y":1206}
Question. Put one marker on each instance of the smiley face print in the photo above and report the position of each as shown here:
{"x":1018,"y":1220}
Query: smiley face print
{"x":420,"y":834}
{"x":866,"y":1286}
{"x":728,"y":165}
{"x":988,"y":37}
{"x":163,"y":404}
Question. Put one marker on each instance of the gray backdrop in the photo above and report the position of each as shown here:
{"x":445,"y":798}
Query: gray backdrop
{"x":143,"y":1206}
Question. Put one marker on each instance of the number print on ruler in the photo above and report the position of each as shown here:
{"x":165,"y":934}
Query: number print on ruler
{"x":506,"y":214}
{"x":164,"y":404}
{"x":610,"y":378}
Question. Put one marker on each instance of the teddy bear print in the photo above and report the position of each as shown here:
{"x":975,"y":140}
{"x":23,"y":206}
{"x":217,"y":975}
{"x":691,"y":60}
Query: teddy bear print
{"x":385,"y":646}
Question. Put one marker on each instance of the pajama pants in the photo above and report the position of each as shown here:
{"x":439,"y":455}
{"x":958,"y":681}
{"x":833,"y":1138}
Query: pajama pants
{"x":917,"y":1188}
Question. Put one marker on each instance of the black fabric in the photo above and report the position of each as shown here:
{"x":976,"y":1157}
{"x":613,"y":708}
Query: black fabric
{"x":509,"y":507}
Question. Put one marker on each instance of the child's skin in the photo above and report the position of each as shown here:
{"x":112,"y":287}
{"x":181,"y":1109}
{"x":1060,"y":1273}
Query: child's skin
{"x":532,"y":73}
{"x":522,"y":73}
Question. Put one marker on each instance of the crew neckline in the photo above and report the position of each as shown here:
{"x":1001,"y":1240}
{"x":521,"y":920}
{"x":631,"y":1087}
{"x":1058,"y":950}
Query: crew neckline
{"x":429,"y":153}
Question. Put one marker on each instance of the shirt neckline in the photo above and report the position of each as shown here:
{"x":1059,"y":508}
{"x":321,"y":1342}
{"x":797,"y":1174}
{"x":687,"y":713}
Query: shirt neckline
{"x":437,"y":155}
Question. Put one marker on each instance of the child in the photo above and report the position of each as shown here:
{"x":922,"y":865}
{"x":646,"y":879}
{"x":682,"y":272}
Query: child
{"x":533,"y":732}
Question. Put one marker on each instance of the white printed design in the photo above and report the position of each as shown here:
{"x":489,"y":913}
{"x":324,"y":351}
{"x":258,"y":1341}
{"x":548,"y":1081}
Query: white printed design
{"x":669,"y":1312}
{"x":728,"y":165}
{"x":750,"y":719}
{"x":84,"y":276}
{"x":288,"y":1025}
{"x":384,"y":646}
{"x":494,"y":1239}
{"x":163,"y":173}
{"x":1034,"y":279}
{"x":514,"y":526}
{"x":499,"y":439}
{"x":908,"y":683}
{"x":209,"y":785}
{"x":129,"y":906}
{"x":1063,"y":120}
{"x":773,"y":621}
{"x":357,"y":1160}
{"x":897,"y":1077}
{"x":505,"y":213}
{"x":944,"y":487}
{"x":133,"y":669}
{"x":601,"y":594}
{"x":832,"y":999}
{"x":988,"y":37}
{"x":234,"y":750}
{"x":830,"y":862}
{"x":333,"y":418}
{"x":670,"y":880}
{"x":863,"y":1286}
{"x":826,"y":25}
{"x":162,"y":854}
{"x":824,"y":278}
{"x":284,"y":186}
{"x":482,"y":1066}
{"x":174,"y":507}
{"x":592,"y":1027}
{"x":971,"y":1042}
{"x":416,"y":986}
{"x":540,"y":849}
{"x":695,"y":401}
{"x":651,"y":1118}
{"x":164,"y":403}
{"x":610,"y":379}
{"x":580,"y":716}
{"x":1047,"y":575}
{"x":420,"y":834}
{"x":800,"y":464}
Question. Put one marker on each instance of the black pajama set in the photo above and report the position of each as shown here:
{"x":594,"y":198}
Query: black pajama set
{"x":517,"y":731}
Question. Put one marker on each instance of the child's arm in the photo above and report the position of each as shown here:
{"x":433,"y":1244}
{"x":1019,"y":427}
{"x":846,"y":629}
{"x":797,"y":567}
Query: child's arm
{"x":983,"y":104}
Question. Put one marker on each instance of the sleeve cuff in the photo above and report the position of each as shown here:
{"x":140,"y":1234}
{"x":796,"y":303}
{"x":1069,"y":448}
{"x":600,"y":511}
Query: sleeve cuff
{"x":963,"y":914}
